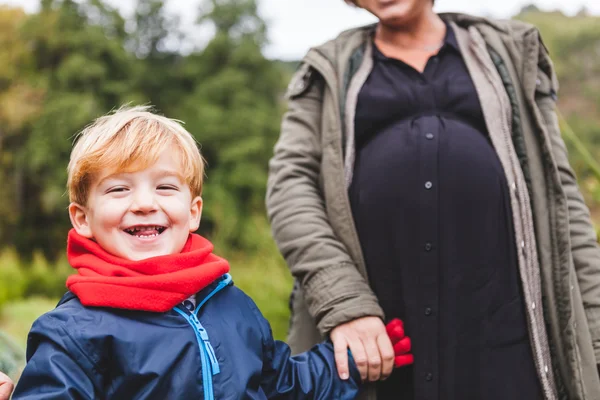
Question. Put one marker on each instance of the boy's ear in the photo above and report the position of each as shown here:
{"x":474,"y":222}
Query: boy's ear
{"x":78,"y":215}
{"x":195,"y":214}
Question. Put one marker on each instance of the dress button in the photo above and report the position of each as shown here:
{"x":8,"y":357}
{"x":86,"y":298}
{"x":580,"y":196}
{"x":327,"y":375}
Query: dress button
{"x":428,"y":185}
{"x":429,"y":377}
{"x":429,"y":136}
{"x":428,"y":246}
{"x":428,"y":311}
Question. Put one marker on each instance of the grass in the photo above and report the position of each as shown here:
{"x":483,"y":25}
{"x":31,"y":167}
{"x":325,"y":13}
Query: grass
{"x":269,"y":284}
{"x":15,"y":320}
{"x":17,"y":317}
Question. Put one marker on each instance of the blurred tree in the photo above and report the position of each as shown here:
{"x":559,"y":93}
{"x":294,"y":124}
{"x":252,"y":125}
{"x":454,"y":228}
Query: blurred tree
{"x":529,"y":8}
{"x":234,"y":111}
{"x":20,"y":102}
{"x":155,"y":38}
{"x":79,"y":63}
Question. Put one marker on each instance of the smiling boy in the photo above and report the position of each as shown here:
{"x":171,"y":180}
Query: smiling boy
{"x":152,"y":313}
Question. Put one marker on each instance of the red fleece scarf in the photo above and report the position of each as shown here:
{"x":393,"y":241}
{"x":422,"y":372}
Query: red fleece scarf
{"x":154,"y":284}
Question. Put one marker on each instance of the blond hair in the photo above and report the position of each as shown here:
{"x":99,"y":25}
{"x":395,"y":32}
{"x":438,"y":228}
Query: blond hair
{"x":131,"y":139}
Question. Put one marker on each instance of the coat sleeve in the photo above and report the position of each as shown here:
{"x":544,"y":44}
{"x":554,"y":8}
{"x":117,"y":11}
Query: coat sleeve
{"x":56,"y":367}
{"x":584,"y":241}
{"x":334,"y":289}
{"x":311,"y":375}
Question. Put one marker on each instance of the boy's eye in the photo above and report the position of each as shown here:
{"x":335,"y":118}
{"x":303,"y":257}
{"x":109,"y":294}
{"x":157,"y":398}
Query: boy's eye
{"x":167,"y":187}
{"x":117,"y":189}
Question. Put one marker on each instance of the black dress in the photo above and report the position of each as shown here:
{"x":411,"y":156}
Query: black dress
{"x":432,"y":209}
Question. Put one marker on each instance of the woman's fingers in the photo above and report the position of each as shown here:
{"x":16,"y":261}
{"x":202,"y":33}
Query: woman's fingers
{"x":360,"y":356}
{"x":340,"y":349}
{"x":373,"y":359}
{"x":361,"y":337}
{"x":387,"y":355}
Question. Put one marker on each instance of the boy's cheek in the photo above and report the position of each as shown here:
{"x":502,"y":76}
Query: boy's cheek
{"x":110,"y":212}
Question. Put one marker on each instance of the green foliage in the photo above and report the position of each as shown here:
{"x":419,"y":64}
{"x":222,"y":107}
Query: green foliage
{"x":16,"y":319}
{"x":13,"y":282}
{"x":265,"y":278}
{"x":574,"y":45}
{"x":46,"y":279}
{"x":233,"y":111}
{"x":12,"y":356}
{"x":37,"y":277}
{"x":80,"y":68}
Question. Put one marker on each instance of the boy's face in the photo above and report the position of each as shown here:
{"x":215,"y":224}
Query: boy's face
{"x":138,"y":215}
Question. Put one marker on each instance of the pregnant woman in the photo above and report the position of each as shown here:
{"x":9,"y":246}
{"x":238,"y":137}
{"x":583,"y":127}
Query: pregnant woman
{"x":420,"y":174}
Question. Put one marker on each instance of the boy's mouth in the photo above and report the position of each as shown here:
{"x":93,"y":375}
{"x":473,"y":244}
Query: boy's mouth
{"x":145,"y":231}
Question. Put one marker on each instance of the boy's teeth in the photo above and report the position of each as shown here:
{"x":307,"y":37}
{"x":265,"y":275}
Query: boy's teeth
{"x":146,"y":231}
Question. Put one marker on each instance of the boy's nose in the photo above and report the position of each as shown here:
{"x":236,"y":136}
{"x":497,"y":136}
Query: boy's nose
{"x":143,"y":202}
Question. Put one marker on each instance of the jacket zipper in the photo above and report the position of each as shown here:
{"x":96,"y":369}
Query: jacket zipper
{"x":208,"y":358}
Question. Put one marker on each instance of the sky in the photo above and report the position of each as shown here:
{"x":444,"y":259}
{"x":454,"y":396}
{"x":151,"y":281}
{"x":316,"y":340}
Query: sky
{"x":297,"y":25}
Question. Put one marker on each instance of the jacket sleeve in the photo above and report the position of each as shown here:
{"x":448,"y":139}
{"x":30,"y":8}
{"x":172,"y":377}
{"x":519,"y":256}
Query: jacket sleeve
{"x":334,"y":289}
{"x":584,"y":241}
{"x":56,"y":367}
{"x":309,"y":375}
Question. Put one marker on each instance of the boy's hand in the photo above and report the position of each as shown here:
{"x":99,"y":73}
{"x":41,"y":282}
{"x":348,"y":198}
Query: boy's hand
{"x":6,"y":387}
{"x":370,"y":345}
{"x":401,"y":343}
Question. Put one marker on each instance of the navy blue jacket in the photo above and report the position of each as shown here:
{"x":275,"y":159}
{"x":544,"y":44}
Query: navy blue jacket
{"x":222,"y":350}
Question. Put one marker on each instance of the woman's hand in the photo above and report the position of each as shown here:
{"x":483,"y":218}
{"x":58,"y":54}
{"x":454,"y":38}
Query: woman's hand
{"x":370,"y":345}
{"x":6,"y":387}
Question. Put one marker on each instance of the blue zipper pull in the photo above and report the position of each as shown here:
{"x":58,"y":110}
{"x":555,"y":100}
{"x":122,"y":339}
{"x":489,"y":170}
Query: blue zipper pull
{"x":209,"y":349}
{"x":213,"y":358}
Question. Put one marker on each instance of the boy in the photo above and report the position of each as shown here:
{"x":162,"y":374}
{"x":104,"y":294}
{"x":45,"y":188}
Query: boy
{"x":152,"y":312}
